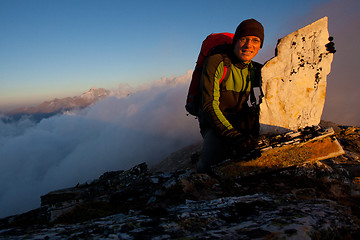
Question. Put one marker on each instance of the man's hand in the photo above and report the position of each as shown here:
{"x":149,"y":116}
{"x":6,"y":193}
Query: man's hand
{"x":330,"y":47}
{"x":245,"y":145}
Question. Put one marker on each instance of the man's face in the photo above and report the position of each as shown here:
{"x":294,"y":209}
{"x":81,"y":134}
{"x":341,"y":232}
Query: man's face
{"x":247,"y":47}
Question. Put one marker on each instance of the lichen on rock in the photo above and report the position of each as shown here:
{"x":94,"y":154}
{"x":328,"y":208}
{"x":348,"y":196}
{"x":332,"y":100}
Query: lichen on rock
{"x":294,"y":81}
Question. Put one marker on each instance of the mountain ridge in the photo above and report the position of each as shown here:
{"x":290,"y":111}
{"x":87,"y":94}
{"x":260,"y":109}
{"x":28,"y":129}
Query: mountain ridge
{"x":56,"y":106}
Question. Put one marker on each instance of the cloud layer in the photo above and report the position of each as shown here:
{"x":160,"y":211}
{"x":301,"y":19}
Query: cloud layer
{"x":116,"y":133}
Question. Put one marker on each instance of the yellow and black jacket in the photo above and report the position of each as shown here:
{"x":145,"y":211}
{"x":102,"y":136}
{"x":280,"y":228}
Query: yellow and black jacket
{"x":224,"y":106}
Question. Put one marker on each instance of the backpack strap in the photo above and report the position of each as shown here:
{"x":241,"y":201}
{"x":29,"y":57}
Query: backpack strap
{"x":227,"y":67}
{"x":224,"y":74}
{"x":256,"y":93}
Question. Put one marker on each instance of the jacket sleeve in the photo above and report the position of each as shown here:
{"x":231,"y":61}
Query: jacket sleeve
{"x":212,"y":73}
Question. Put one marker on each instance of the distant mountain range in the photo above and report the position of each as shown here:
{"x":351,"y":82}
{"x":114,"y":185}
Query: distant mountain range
{"x":58,"y":106}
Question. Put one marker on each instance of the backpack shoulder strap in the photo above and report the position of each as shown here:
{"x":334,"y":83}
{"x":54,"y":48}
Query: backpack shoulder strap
{"x":256,"y":93}
{"x":227,"y":67}
{"x":257,"y":70}
{"x":224,"y":74}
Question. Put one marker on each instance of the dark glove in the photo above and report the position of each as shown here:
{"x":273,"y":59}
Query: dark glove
{"x":330,"y":47}
{"x":244,"y":145}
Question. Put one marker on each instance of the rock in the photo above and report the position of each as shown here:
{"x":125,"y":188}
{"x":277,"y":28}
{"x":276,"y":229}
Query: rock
{"x":306,"y":144}
{"x":180,"y":160}
{"x":294,"y":81}
{"x":284,"y":151}
{"x":110,"y":190}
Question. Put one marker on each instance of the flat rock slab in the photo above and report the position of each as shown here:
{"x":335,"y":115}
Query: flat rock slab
{"x":294,"y":81}
{"x":282,"y":157}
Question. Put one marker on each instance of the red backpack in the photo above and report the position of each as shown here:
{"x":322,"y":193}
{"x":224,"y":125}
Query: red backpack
{"x":193,"y":99}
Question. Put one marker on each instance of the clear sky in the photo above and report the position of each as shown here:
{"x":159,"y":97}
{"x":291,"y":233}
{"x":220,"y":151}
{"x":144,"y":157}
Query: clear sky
{"x":59,"y":48}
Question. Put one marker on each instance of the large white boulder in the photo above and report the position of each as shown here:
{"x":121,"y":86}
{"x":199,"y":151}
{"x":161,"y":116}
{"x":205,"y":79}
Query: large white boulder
{"x":294,"y":81}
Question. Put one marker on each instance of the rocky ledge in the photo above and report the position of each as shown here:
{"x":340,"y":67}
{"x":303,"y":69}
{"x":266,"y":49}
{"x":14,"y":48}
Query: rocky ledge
{"x":307,"y":199}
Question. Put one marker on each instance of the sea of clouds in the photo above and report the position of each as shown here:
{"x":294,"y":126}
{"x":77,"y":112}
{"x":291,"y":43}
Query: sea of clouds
{"x":116,"y":133}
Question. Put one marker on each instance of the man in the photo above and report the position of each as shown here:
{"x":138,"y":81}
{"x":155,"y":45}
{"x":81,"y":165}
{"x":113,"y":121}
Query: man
{"x":227,"y":120}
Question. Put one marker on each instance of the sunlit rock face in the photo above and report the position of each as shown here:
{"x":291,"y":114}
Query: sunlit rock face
{"x":294,"y":81}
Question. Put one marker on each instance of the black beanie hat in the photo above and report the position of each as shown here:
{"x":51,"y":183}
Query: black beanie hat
{"x":249,"y":27}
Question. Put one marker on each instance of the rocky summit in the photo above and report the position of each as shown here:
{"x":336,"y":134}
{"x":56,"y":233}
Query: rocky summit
{"x":302,"y":193}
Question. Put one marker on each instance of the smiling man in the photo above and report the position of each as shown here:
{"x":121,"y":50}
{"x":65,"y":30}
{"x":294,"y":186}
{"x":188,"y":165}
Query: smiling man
{"x":229,"y":115}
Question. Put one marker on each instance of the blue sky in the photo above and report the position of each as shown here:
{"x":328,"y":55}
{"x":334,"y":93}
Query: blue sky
{"x":59,"y":48}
